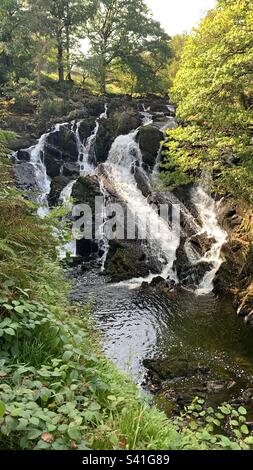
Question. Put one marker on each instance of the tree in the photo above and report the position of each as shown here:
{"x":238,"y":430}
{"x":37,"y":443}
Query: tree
{"x":214,"y":92}
{"x":122,"y":30}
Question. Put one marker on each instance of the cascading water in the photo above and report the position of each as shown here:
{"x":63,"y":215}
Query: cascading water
{"x":147,"y":116}
{"x":103,"y":243}
{"x":43,"y":181}
{"x":124,"y":155}
{"x":206,"y":208}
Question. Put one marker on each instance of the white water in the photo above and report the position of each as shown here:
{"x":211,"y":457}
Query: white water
{"x":103,"y":243}
{"x":124,"y":154}
{"x":206,"y":207}
{"x":147,"y":117}
{"x":42,"y":179}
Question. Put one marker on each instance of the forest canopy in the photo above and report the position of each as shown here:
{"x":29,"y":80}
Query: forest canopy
{"x":98,"y":42}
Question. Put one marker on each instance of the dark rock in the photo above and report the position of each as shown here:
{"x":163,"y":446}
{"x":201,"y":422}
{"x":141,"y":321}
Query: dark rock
{"x":60,"y":147}
{"x":171,"y":368}
{"x":127,"y":121}
{"x":23,"y":155}
{"x":202,"y":242}
{"x":71,"y":169}
{"x":86,"y":127}
{"x":25,"y":176}
{"x":216,"y":386}
{"x":85,"y":190}
{"x":57,"y":185}
{"x":125,"y":261}
{"x":191,"y":276}
{"x":104,"y":140}
{"x":150,"y":140}
{"x":142,"y":181}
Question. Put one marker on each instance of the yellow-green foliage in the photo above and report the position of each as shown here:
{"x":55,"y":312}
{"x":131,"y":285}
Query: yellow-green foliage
{"x":214,"y":92}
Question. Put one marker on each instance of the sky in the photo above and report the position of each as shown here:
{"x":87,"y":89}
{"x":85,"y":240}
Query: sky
{"x":179,"y":16}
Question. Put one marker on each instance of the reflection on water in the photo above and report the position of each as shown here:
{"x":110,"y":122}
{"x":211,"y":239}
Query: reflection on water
{"x":137,"y":324}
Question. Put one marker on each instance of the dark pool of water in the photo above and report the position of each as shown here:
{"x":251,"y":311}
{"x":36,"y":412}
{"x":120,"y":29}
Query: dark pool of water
{"x":136,"y":325}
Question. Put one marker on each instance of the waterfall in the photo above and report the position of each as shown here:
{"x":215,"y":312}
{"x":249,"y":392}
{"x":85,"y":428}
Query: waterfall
{"x":147,"y":117}
{"x":124,"y":155}
{"x":206,"y":208}
{"x":103,"y":243}
{"x":43,"y":181}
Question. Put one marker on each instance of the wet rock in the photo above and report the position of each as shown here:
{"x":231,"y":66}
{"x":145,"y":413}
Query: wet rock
{"x":60,"y":147}
{"x":236,"y":255}
{"x":85,"y":190}
{"x":249,"y":319}
{"x":160,"y":370}
{"x":25,"y":176}
{"x":142,"y":181}
{"x":191,"y":276}
{"x":23,"y":155}
{"x":86,"y":128}
{"x":216,"y":386}
{"x":150,"y":139}
{"x":125,"y":261}
{"x":105,"y":138}
{"x":202,"y":243}
{"x":71,"y":170}
{"x":127,"y":121}
{"x":57,"y":185}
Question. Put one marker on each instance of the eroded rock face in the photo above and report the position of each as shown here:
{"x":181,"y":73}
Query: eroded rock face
{"x":57,"y":185}
{"x":150,"y":139}
{"x":60,"y":147}
{"x":25,"y":176}
{"x":126,"y":260}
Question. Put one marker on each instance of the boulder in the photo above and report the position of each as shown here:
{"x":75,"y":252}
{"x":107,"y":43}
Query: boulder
{"x":23,"y":155}
{"x":60,"y":147}
{"x":150,"y":139}
{"x":125,"y":261}
{"x":25,"y":176}
{"x":160,"y":369}
{"x":71,"y":170}
{"x":142,"y":181}
{"x":127,"y":121}
{"x":85,"y":190}
{"x":86,"y":127}
{"x":57,"y":185}
{"x":104,"y":140}
{"x":192,"y":276}
{"x":202,"y":243}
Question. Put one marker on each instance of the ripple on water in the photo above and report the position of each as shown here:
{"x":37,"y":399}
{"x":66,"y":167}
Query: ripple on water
{"x":137,"y":324}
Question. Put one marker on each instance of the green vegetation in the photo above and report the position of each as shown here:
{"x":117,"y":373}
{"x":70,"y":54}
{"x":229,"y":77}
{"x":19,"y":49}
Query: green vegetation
{"x":214,"y":90}
{"x":39,"y":37}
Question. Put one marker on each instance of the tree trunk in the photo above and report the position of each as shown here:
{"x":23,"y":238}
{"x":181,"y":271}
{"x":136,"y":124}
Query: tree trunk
{"x":67,"y":23}
{"x":60,"y":56}
{"x":103,"y":77}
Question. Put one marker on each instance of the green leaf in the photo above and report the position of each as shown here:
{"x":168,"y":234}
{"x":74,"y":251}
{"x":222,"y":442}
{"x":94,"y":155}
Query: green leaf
{"x":19,"y":309}
{"x":2,"y":409}
{"x":33,"y":434}
{"x":8,"y":307}
{"x":67,"y":355}
{"x":244,"y":429}
{"x":9,"y":331}
{"x":74,"y":433}
{"x":242,"y":410}
{"x":249,"y":440}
